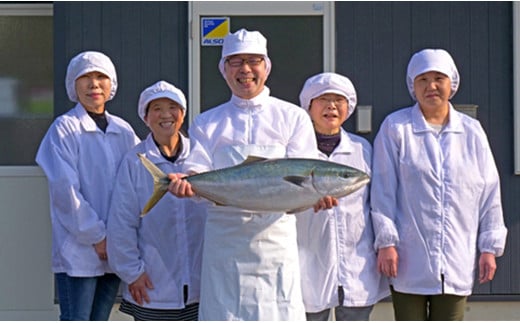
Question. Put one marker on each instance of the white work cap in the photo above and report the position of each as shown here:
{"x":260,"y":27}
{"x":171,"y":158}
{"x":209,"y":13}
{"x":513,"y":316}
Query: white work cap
{"x":161,"y":89}
{"x":328,"y":83}
{"x":87,"y":62}
{"x":428,"y":60}
{"x":244,"y":42}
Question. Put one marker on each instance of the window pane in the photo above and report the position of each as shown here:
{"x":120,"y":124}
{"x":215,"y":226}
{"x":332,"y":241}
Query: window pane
{"x":26,"y":86}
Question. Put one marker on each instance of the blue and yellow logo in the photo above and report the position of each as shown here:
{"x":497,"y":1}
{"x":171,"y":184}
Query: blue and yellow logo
{"x":213,"y":30}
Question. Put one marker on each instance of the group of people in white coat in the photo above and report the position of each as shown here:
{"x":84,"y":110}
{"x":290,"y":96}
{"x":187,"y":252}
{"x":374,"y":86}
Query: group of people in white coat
{"x":413,"y":233}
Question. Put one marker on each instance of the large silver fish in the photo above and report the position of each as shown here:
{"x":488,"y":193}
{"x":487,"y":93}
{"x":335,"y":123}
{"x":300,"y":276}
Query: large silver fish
{"x":266,"y":185}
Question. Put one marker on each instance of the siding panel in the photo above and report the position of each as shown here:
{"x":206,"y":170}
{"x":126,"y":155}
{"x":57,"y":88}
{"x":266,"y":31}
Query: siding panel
{"x":382,"y":63}
{"x":499,"y":126}
{"x":402,"y":40}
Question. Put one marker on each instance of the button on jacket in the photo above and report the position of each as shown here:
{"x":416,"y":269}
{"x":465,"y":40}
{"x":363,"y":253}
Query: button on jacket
{"x":437,"y":198}
{"x":69,"y":153}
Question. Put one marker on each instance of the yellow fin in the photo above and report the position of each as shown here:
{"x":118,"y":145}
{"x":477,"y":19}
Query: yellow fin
{"x":160,"y":183}
{"x":158,"y":193}
{"x":156,"y":172}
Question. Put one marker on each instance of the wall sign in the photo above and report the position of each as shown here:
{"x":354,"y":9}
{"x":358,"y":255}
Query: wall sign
{"x":213,"y":30}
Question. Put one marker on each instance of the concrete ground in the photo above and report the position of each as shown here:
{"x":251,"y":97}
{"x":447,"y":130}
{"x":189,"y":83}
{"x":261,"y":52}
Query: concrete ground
{"x":475,"y":311}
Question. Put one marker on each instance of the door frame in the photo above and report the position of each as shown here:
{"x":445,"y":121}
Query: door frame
{"x":516,"y":85}
{"x":253,"y":8}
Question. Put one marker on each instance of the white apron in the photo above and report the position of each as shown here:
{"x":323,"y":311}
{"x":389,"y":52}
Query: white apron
{"x":250,"y":266}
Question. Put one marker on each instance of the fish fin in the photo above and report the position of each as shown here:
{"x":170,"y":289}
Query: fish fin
{"x":298,"y":210}
{"x":156,"y":172}
{"x":159,"y":181}
{"x":158,"y":193}
{"x":296,"y":180}
{"x":253,"y":159}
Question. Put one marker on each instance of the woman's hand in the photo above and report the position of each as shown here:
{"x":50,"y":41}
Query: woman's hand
{"x":487,"y":267}
{"x":101,"y":249}
{"x":327,"y":202}
{"x":387,"y":261}
{"x":139,"y":289}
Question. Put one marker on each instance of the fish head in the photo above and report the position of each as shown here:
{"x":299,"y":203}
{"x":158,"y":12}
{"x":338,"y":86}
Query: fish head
{"x":338,"y":180}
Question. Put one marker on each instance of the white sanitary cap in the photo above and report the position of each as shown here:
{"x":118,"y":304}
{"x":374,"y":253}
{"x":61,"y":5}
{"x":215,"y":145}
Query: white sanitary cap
{"x":244,"y":42}
{"x":87,"y":62}
{"x":328,"y":83}
{"x":428,"y":60}
{"x":161,"y":89}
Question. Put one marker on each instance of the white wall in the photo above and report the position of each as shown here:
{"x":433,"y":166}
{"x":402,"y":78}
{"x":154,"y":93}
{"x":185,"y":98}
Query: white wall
{"x":26,"y":280}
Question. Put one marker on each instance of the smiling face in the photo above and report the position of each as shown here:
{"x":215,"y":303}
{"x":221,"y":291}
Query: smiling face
{"x":93,"y":90}
{"x":432,"y":90}
{"x":164,"y":117}
{"x":246,"y":80}
{"x":328,"y":112}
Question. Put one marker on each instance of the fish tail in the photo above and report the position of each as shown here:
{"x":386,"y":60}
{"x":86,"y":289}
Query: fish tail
{"x":160,"y":183}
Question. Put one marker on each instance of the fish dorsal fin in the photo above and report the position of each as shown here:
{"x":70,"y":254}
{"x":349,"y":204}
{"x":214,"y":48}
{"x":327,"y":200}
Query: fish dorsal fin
{"x":297,"y":180}
{"x":253,"y":159}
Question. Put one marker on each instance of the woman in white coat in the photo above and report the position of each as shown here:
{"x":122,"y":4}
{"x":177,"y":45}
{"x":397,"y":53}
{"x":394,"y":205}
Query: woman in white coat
{"x":435,"y":197}
{"x":80,"y":155}
{"x":338,"y":261}
{"x":250,"y":268}
{"x":157,"y":256}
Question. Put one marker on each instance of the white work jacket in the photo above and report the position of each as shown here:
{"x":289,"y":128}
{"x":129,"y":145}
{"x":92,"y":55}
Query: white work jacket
{"x":81,"y":162}
{"x":166,"y":243}
{"x":437,"y":198}
{"x":336,"y":245}
{"x":250,"y":267}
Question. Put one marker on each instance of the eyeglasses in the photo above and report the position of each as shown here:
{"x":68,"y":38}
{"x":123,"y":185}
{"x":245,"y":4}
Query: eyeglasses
{"x":339,"y":101}
{"x":251,"y":61}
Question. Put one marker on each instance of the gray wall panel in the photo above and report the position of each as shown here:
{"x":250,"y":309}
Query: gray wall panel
{"x":499,"y":126}
{"x":382,"y":60}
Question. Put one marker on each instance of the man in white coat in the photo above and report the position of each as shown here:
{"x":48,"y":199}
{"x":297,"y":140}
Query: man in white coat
{"x":250,"y":267}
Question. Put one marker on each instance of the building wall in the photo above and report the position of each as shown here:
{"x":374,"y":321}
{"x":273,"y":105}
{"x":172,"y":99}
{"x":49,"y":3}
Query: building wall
{"x":374,"y":41}
{"x":26,"y":282}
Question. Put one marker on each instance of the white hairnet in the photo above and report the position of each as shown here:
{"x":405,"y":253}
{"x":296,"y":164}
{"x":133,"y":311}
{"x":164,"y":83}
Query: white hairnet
{"x":87,"y":62}
{"x":244,"y":42}
{"x":428,"y":60}
{"x":161,"y":89}
{"x":328,"y":83}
